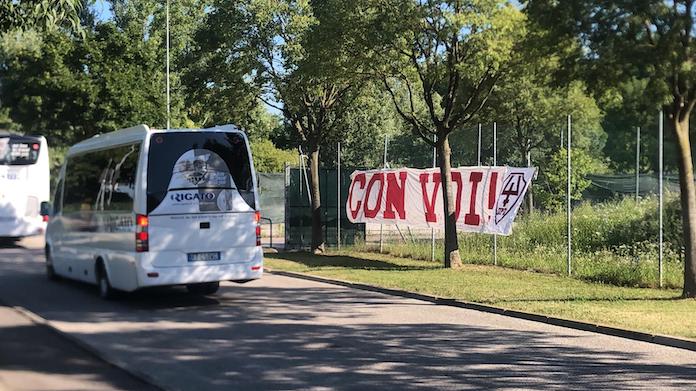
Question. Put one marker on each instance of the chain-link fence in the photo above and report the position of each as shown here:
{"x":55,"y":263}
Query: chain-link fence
{"x":614,"y":232}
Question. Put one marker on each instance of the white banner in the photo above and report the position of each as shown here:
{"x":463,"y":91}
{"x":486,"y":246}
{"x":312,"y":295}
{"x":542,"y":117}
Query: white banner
{"x":486,"y":198}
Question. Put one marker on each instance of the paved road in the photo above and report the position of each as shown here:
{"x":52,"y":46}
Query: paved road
{"x":284,"y":333}
{"x":33,"y":357}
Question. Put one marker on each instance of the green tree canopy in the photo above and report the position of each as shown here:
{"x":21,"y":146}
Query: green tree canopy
{"x":654,"y":40}
{"x":445,"y":56}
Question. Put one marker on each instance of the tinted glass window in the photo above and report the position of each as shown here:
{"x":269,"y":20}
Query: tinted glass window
{"x":211,"y":163}
{"x":58,"y":198}
{"x":19,"y":150}
{"x":81,"y":183}
{"x":118,"y":179}
{"x":101,"y":180}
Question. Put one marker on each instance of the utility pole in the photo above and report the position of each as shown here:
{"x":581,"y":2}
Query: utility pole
{"x":169,"y":112}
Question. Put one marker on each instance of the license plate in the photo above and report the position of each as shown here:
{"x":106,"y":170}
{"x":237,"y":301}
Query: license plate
{"x":204,"y":257}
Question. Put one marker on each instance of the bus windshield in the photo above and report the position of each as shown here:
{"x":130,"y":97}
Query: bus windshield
{"x":19,"y":150}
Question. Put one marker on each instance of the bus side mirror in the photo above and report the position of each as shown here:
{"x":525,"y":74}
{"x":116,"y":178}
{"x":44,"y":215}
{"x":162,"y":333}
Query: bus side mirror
{"x":45,"y":210}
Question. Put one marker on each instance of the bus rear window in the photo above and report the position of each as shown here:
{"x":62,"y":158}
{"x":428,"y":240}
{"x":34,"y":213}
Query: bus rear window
{"x":211,"y":164}
{"x":18,"y":151}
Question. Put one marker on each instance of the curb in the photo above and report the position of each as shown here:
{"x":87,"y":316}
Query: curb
{"x":571,"y":324}
{"x":123,"y":366}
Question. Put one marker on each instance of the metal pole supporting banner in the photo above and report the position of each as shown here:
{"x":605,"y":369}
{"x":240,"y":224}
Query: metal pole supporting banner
{"x":168,"y":96}
{"x":338,"y":198}
{"x":568,"y":204}
{"x":285,"y":204}
{"x":432,"y":230}
{"x":381,"y":226}
{"x":661,"y":199}
{"x":478,"y":160}
{"x":301,"y":170}
{"x":495,"y":163}
{"x":637,"y":162}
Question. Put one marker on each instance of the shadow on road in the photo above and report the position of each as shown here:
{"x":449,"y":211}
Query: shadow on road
{"x":258,"y":336}
{"x":34,"y":357}
{"x":9,"y":243}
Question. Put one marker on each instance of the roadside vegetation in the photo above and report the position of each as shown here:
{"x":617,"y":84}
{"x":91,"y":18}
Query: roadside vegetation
{"x":659,"y":311}
{"x":301,"y":76}
{"x":614,"y":242}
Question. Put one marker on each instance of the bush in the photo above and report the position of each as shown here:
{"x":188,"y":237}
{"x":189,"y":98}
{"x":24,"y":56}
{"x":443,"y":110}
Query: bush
{"x":553,"y":178}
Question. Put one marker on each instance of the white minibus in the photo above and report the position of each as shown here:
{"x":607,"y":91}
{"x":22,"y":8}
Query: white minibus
{"x":140,"y":207}
{"x":24,"y":185}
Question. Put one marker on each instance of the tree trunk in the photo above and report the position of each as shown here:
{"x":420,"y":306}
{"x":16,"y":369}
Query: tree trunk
{"x":317,"y":231}
{"x":688,"y":202}
{"x":452,"y":258}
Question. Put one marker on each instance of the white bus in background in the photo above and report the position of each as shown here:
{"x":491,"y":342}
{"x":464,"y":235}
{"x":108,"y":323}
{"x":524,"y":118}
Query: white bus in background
{"x":24,"y":185}
{"x":140,"y":207}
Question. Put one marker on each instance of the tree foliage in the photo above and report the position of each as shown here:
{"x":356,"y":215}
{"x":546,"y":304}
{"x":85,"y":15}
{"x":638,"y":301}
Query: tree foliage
{"x":654,"y":40}
{"x":39,"y":14}
{"x":444,"y":59}
{"x":269,"y":158}
{"x":553,"y":179}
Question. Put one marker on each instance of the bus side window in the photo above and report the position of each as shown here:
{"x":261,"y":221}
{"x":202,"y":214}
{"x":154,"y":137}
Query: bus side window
{"x":58,"y":198}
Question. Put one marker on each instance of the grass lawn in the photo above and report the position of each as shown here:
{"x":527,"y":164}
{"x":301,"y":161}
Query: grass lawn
{"x":657,"y":311}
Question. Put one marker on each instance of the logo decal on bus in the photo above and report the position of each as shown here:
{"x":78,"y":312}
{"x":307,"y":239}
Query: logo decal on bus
{"x":200,"y":169}
{"x":178,"y":197}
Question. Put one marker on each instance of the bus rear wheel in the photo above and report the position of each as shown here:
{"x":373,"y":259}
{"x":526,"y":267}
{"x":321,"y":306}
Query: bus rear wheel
{"x":50,"y":271}
{"x":106,"y":292}
{"x":206,"y":288}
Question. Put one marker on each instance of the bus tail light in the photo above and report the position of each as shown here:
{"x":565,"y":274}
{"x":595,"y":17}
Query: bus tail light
{"x":257,"y":217}
{"x":142,"y":238}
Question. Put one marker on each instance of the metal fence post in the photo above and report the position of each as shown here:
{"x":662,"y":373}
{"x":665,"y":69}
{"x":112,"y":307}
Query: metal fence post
{"x":568,"y":203}
{"x":661,"y":158}
{"x":338,"y":198}
{"x":285,"y":206}
{"x":495,"y":163}
{"x":478,"y":147}
{"x":432,"y":230}
{"x":637,"y":162}
{"x":381,"y":226}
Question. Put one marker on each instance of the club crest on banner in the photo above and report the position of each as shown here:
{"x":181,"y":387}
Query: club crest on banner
{"x":513,"y":187}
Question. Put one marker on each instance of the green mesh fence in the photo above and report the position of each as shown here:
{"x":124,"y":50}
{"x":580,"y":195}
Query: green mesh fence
{"x":626,"y":184}
{"x":298,"y":212}
{"x":272,"y":197}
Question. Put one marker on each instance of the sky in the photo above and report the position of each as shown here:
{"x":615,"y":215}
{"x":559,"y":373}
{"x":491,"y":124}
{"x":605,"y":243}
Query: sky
{"x":102,"y":10}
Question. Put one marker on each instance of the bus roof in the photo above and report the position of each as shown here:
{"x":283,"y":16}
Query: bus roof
{"x":133,"y":135}
{"x":20,"y":137}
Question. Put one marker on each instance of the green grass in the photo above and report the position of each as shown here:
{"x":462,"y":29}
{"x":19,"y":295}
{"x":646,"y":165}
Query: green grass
{"x":613,"y":242}
{"x":659,"y":311}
